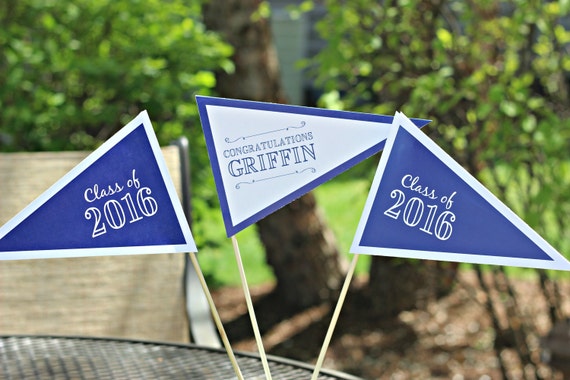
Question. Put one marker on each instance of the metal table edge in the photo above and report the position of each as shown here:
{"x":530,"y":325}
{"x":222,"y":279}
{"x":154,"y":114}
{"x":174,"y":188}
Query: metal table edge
{"x":273,"y":358}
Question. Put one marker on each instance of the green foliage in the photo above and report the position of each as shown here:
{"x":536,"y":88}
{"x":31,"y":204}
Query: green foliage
{"x":73,"y":72}
{"x":492,"y":75}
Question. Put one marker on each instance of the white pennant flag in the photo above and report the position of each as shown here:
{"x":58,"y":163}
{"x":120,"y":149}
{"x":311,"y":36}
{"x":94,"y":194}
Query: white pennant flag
{"x":266,"y":155}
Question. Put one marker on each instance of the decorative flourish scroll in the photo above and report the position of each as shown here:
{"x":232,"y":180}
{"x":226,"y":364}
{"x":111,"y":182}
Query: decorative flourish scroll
{"x":302,"y":124}
{"x":238,"y":185}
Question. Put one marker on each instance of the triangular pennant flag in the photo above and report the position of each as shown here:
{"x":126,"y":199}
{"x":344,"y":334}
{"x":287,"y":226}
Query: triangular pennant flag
{"x":119,"y":200}
{"x":423,"y":204}
{"x":266,"y":155}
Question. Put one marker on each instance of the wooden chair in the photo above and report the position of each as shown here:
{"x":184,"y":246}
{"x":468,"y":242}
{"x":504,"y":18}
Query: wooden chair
{"x":151,"y":297}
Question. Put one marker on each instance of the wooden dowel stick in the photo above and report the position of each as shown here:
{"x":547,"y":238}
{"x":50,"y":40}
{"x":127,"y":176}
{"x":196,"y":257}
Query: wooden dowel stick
{"x":334,"y":319}
{"x":216,"y":316}
{"x":249,"y":303}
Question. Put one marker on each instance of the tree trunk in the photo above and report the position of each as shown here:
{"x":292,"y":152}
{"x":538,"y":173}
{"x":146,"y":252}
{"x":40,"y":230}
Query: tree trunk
{"x":397,"y":284}
{"x":303,"y":253}
{"x":299,"y":246}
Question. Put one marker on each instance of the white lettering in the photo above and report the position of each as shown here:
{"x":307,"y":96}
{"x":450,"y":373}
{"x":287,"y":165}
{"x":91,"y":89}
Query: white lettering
{"x":94,"y":193}
{"x":410,"y":182}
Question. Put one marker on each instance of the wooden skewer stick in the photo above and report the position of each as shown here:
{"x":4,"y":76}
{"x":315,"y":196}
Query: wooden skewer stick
{"x":250,"y":310}
{"x":334,"y":319}
{"x":216,"y":316}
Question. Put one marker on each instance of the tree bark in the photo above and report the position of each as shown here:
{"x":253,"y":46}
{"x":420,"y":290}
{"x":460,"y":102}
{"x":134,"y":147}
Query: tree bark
{"x":299,"y":246}
{"x":398,"y":284}
{"x":303,"y":253}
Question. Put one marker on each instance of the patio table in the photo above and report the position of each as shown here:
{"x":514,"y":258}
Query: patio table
{"x":63,"y":357}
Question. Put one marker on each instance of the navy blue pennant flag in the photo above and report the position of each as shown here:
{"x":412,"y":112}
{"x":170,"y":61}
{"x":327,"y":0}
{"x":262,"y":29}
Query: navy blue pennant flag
{"x":423,"y":204}
{"x":119,"y":200}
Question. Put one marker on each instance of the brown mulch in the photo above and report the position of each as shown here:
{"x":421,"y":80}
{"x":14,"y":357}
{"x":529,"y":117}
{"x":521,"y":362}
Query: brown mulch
{"x":452,"y":338}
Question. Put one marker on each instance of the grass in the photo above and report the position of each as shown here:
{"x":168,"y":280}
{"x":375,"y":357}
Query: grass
{"x":219,"y":263}
{"x":342,"y":202}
